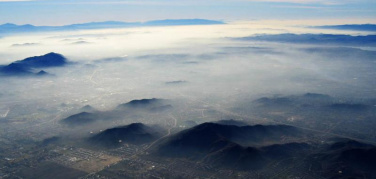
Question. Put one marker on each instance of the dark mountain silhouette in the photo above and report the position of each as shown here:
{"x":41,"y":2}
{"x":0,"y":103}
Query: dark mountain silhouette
{"x":42,"y":73}
{"x":342,"y":53}
{"x":175,"y":82}
{"x":350,"y":116}
{"x":98,"y":25}
{"x":357,"y":27}
{"x":13,"y":28}
{"x":152,"y":104}
{"x":320,"y":101}
{"x":345,"y":144}
{"x":278,"y":151}
{"x":231,"y":122}
{"x":244,"y":135}
{"x":26,"y":66}
{"x":234,"y":156}
{"x":308,"y":99}
{"x":202,"y":137}
{"x":48,"y":60}
{"x":171,"y":22}
{"x":219,"y":145}
{"x":136,"y":133}
{"x":81,"y":119}
{"x":315,"y":39}
{"x":133,"y":108}
{"x":141,"y":102}
{"x":15,"y":69}
{"x":24,"y":44}
{"x":354,"y":159}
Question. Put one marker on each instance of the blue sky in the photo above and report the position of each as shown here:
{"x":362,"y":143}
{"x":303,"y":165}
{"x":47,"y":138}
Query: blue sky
{"x":59,"y":12}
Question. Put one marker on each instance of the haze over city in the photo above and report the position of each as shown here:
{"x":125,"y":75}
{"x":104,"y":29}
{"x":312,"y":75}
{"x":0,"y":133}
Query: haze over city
{"x":187,"y":89}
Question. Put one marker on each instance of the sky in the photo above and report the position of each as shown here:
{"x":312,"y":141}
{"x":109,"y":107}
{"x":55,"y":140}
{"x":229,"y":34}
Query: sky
{"x":61,"y":12}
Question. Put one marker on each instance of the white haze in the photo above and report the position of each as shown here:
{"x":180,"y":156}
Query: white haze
{"x":114,"y":66}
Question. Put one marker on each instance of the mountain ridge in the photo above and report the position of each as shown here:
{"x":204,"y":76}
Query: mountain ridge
{"x":10,"y":28}
{"x":26,"y":66}
{"x":135,"y":133}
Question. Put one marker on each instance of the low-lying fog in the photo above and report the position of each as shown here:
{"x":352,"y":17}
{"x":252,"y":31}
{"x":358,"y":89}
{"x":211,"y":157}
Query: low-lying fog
{"x":200,"y":65}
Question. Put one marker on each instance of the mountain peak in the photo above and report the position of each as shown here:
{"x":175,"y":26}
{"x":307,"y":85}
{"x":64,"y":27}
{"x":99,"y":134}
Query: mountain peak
{"x":140,"y":103}
{"x":8,"y":25}
{"x":51,"y":59}
{"x":13,"y":28}
{"x":42,"y":73}
{"x":135,"y":133}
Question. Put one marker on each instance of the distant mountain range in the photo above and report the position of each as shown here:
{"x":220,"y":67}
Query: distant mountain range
{"x":28,"y":65}
{"x":355,"y":27}
{"x":310,"y":101}
{"x":13,"y":28}
{"x":315,"y":39}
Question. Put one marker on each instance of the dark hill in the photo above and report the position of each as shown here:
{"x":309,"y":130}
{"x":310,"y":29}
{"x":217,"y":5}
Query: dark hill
{"x":142,"y":103}
{"x":346,"y":144}
{"x":206,"y":134}
{"x":13,"y":28}
{"x":81,"y":119}
{"x":219,"y":146}
{"x":42,"y":73}
{"x":150,"y":105}
{"x":131,"y":109}
{"x":48,"y":60}
{"x":308,"y":99}
{"x":136,"y":133}
{"x":278,"y":151}
{"x":172,"y":22}
{"x":231,"y":122}
{"x":15,"y":69}
{"x":235,"y":156}
{"x":356,"y":27}
{"x":26,"y":66}
{"x":315,"y":39}
{"x":354,"y":159}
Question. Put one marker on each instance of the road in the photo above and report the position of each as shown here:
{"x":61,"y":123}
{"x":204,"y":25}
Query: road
{"x":168,"y":132}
